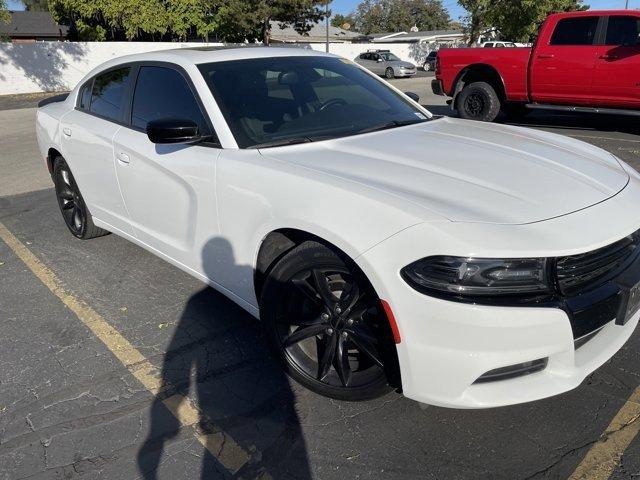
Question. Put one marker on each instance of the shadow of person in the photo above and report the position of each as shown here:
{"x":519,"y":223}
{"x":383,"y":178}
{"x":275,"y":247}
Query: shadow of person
{"x":246,"y":407}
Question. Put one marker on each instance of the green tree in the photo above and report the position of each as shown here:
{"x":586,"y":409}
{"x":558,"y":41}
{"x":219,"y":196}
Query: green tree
{"x":377,"y":16}
{"x":338,"y":20}
{"x":517,"y":20}
{"x":4,"y":12}
{"x":238,"y":20}
{"x":36,"y":5}
{"x":231,"y":20}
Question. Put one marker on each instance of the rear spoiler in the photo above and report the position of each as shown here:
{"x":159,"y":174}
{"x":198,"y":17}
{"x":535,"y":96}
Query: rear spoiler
{"x":53,"y":99}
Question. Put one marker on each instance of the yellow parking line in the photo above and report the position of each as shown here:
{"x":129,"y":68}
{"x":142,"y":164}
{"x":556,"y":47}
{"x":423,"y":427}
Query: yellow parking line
{"x":604,"y":456}
{"x":231,"y":455}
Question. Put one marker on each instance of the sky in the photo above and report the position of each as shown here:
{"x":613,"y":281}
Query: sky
{"x":346,"y":6}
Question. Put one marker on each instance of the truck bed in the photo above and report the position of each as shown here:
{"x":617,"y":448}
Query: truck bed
{"x":512,"y":63}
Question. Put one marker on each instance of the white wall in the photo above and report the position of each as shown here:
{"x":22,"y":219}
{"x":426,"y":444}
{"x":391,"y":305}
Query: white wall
{"x":59,"y":66}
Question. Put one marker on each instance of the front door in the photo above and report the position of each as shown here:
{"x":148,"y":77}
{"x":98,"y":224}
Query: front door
{"x":616,"y":81}
{"x":87,"y":134}
{"x":563,"y":62}
{"x":169,"y":190}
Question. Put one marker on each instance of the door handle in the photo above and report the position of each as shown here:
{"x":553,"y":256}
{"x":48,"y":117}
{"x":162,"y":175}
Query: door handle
{"x":123,"y":157}
{"x":606,"y":56}
{"x":545,"y":55}
{"x":66,"y":131}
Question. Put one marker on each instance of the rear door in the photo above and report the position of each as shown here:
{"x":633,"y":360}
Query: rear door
{"x":616,"y":81}
{"x":87,"y":146}
{"x":169,"y":190}
{"x":564,"y":59}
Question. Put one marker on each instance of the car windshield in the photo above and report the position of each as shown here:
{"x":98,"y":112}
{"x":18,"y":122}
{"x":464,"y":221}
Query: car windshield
{"x":278,"y":101}
{"x":389,"y":57}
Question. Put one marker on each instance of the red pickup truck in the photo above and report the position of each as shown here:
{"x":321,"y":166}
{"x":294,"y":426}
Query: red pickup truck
{"x":581,"y":61}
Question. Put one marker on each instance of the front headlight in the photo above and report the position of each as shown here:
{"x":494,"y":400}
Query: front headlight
{"x":478,"y":276}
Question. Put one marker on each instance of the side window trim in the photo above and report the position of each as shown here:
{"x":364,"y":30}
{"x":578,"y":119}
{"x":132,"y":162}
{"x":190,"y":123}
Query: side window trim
{"x":605,"y":28}
{"x":87,"y":84}
{"x":129,"y":105}
{"x":598,"y":36}
{"x":120,"y":122}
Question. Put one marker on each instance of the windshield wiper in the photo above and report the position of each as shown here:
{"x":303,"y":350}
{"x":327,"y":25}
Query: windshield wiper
{"x":391,"y":124}
{"x":282,"y":141}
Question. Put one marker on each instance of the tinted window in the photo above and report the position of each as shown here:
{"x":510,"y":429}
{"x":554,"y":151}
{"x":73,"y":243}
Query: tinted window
{"x":623,"y":31}
{"x":310,"y":98}
{"x":575,"y":31}
{"x":85,"y":96}
{"x":164,"y":93}
{"x":108,"y":94}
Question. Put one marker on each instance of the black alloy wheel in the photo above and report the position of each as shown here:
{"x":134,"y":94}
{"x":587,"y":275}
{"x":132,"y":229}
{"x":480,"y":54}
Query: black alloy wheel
{"x":327,"y":325}
{"x":478,"y":101}
{"x":74,"y":211}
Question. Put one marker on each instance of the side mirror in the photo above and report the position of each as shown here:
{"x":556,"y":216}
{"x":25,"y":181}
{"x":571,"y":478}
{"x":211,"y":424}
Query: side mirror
{"x":379,"y":60}
{"x":413,"y":96}
{"x":171,"y":130}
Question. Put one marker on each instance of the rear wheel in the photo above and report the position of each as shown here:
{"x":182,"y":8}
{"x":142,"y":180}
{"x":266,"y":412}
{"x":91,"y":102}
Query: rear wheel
{"x":427,"y":67}
{"x":478,"y":101}
{"x":389,"y":73}
{"x":74,"y":211}
{"x":326,"y":325}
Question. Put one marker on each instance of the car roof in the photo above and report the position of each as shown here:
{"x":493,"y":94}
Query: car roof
{"x":207,"y":54}
{"x":600,"y":13}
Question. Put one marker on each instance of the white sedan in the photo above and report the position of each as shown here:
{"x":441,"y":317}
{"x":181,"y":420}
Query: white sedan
{"x":500,"y":267}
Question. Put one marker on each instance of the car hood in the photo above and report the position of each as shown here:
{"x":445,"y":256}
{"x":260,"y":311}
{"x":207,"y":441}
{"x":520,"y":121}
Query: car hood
{"x":470,"y":171}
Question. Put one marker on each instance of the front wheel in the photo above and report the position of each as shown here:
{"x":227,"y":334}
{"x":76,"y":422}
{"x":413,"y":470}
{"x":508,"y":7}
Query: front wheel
{"x":427,"y":67}
{"x":325,"y":322}
{"x":388,"y":73}
{"x":478,"y":101}
{"x":74,"y":211}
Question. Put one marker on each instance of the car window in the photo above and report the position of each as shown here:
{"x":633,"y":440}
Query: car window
{"x":85,"y":96}
{"x":275,"y":99}
{"x":488,"y":45}
{"x":164,"y":93}
{"x":389,"y":57}
{"x":575,"y":31}
{"x":108,"y":93}
{"x":623,"y":31}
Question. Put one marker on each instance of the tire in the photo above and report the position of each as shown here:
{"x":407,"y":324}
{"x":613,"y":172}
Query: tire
{"x":427,"y":67}
{"x":388,"y":73}
{"x":74,"y":211}
{"x":478,"y":101}
{"x":516,"y":111}
{"x":325,"y":323}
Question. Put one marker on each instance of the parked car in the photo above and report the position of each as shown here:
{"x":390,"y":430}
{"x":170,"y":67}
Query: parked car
{"x":501,"y":266}
{"x":498,"y":45}
{"x":582,"y":62}
{"x":429,"y":64}
{"x":383,"y":62}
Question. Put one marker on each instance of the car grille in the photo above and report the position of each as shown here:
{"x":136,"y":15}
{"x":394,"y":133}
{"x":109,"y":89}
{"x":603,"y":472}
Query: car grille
{"x":582,"y":272}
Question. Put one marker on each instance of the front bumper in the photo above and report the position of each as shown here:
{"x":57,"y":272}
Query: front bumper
{"x":404,"y":72}
{"x":446,"y":346}
{"x":437,"y":87}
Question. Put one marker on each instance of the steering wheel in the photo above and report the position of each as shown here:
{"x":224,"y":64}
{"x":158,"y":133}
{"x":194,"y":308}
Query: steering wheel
{"x":332,"y":102}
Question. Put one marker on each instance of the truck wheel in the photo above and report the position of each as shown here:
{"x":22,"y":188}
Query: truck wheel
{"x":478,"y":101}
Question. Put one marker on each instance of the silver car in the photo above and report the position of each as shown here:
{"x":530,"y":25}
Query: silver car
{"x":383,"y":62}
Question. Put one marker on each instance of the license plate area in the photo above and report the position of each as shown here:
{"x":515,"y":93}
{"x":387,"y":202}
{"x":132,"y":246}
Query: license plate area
{"x":632,"y":305}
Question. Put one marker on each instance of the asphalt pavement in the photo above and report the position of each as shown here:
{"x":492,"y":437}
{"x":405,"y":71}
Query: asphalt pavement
{"x":116,"y":365}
